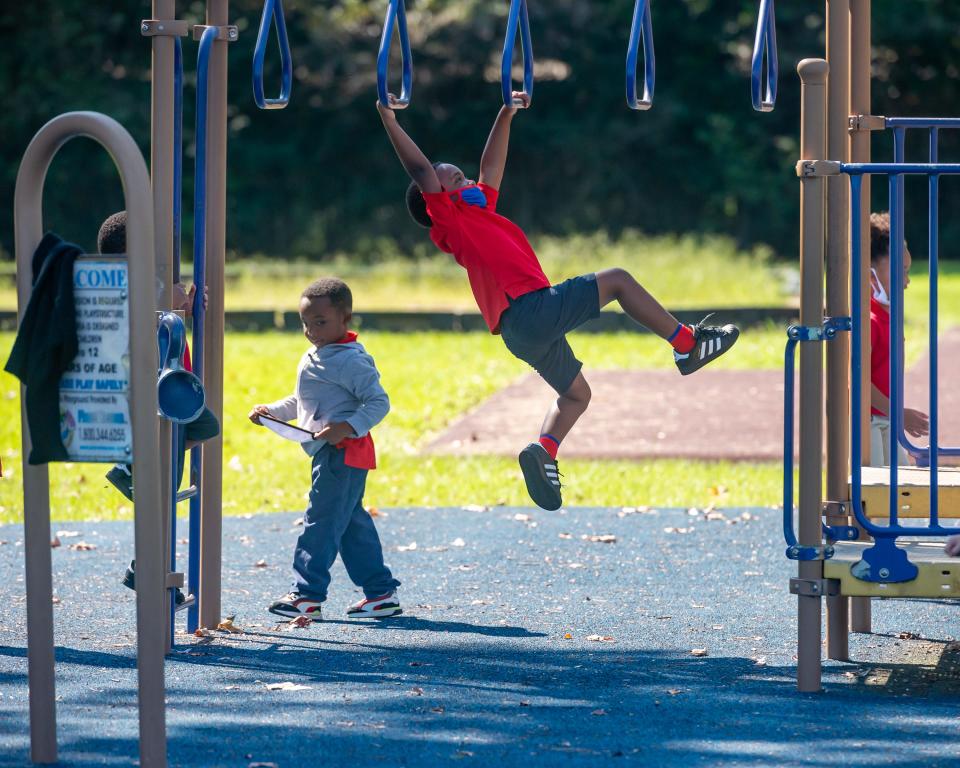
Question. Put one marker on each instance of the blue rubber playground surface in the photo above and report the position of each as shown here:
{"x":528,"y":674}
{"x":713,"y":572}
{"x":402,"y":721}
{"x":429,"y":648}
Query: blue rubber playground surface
{"x":529,"y":638}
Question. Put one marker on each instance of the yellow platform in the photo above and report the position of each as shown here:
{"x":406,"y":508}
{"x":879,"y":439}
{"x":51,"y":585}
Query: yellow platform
{"x":939,"y":574}
{"x":913,"y":488}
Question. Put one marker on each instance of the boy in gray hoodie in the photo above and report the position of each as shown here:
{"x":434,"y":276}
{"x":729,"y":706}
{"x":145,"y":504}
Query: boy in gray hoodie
{"x":338,"y":397}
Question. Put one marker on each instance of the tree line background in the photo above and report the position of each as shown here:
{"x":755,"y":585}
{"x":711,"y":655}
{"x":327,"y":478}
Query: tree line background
{"x":319,"y":176}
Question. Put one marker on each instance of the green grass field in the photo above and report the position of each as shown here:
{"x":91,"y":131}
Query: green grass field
{"x":435,"y":377}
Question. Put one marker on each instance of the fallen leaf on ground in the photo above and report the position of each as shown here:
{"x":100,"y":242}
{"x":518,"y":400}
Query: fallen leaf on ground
{"x":55,"y":542}
{"x":475,"y":508}
{"x":699,"y":652}
{"x":227,"y":625}
{"x":908,"y":636}
{"x":674,"y":691}
{"x":261,"y":563}
{"x":407,"y":547}
{"x":231,"y":688}
{"x":524,"y":703}
{"x":565,"y":535}
{"x":373,"y":512}
{"x":599,"y":712}
{"x":287,"y":686}
{"x":567,"y":636}
{"x":604,"y":538}
{"x":263,"y":765}
{"x":55,"y":600}
{"x":521,"y":517}
{"x":438,"y":710}
{"x":462,"y":753}
{"x":202,"y":632}
{"x":674,"y":529}
{"x":67,"y":534}
{"x":82,"y":546}
{"x":458,"y":543}
{"x":600,"y":638}
{"x":416,"y":691}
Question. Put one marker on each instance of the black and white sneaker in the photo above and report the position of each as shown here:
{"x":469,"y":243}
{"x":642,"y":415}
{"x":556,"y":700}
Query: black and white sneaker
{"x":710,"y":341}
{"x":376,"y":607}
{"x":129,"y":580}
{"x":294,"y":605}
{"x":542,"y":476}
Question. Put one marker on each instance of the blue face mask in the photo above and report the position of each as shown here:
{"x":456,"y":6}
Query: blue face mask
{"x":473,"y":196}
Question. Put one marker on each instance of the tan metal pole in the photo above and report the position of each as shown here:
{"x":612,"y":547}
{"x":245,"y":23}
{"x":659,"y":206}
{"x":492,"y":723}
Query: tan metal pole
{"x":211,"y":525}
{"x":161,"y":176}
{"x":860,"y":61}
{"x":28,"y":216}
{"x":838,"y":296}
{"x":813,"y":146}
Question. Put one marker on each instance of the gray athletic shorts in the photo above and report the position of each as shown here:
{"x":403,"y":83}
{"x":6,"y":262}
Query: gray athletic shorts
{"x":535,"y":325}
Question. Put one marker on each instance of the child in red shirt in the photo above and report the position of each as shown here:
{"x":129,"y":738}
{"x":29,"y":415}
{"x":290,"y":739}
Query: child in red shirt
{"x":517,"y":300}
{"x":915,"y":422}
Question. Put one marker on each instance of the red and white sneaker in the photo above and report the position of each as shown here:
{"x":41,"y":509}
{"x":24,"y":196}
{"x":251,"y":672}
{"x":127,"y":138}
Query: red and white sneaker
{"x":376,"y":607}
{"x":294,"y":605}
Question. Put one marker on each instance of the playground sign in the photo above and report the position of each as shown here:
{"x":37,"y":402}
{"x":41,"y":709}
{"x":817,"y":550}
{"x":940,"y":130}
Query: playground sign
{"x":95,"y":390}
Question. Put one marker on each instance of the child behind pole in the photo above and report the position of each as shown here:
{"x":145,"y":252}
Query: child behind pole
{"x":516,"y":298}
{"x":338,"y":397}
{"x":915,"y":422}
{"x":112,"y":239}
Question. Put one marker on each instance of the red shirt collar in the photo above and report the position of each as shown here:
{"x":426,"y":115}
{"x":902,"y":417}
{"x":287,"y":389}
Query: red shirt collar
{"x":350,"y":337}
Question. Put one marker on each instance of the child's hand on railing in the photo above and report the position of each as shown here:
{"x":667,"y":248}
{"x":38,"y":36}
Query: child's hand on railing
{"x":916,"y":423}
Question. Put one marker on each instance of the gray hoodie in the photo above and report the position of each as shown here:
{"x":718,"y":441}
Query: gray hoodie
{"x":336,"y":382}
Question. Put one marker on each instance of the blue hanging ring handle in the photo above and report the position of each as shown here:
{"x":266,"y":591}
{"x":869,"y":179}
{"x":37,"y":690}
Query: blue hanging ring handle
{"x":396,"y":16}
{"x":763,"y":81}
{"x":272,"y":9}
{"x":641,"y":30}
{"x":518,"y":16}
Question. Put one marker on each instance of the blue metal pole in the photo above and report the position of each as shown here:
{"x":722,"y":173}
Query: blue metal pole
{"x":896,"y":320}
{"x":789,"y":362}
{"x":199,"y":279}
{"x":174,"y":444}
{"x":856,"y":352}
{"x":177,"y":153}
{"x":934,"y":255}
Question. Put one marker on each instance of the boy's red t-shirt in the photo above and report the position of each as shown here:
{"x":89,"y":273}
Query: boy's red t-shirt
{"x":879,"y":350}
{"x":496,"y":254}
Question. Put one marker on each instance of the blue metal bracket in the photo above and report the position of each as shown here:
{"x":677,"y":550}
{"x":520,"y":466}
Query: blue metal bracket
{"x":841,"y":532}
{"x":396,"y":16}
{"x":796,"y":334}
{"x":796,"y":552}
{"x":763,"y":80}
{"x":272,"y":9}
{"x":518,"y":17}
{"x":641,"y":30}
{"x":884,"y":563}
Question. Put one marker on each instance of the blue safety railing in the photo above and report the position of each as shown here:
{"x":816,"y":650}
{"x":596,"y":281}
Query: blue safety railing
{"x":272,"y":11}
{"x":923,"y":454}
{"x":641,"y":34}
{"x":884,"y":561}
{"x":795,"y":335}
{"x":517,"y":17}
{"x":396,"y":16}
{"x":763,"y":79}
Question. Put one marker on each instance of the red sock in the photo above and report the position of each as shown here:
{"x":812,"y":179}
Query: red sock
{"x":682,"y":339}
{"x":550,"y":444}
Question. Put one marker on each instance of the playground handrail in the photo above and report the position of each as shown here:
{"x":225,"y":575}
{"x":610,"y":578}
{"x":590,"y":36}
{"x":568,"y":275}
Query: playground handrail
{"x":641,"y":31}
{"x":272,"y":9}
{"x":518,"y":15}
{"x":396,"y":16}
{"x":763,"y":80}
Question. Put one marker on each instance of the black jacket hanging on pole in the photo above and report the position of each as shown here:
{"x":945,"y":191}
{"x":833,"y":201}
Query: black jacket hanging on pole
{"x":46,"y":344}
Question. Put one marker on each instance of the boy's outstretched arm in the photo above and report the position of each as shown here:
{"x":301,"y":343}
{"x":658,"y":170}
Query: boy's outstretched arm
{"x":495,"y":153}
{"x":414,"y":162}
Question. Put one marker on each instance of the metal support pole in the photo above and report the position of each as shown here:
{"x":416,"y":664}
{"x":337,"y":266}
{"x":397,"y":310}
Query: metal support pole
{"x":813,"y":146}
{"x":211,"y":481}
{"x":161,"y":177}
{"x":838,"y":296}
{"x":148,"y":526}
{"x":860,"y":60}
